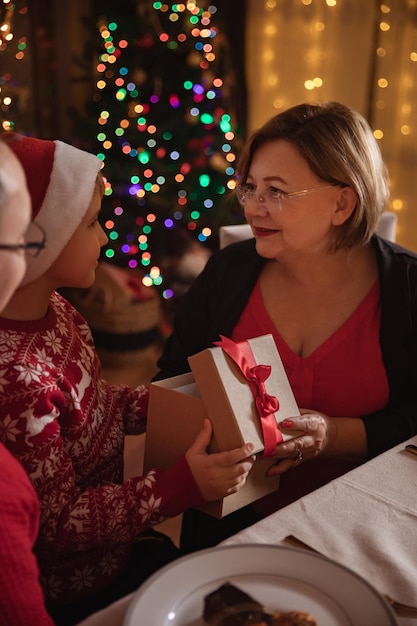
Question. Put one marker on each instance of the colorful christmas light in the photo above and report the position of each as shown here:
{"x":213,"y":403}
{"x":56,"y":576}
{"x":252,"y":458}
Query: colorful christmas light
{"x":181,"y":176}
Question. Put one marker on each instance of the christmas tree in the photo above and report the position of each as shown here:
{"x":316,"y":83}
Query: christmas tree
{"x":165,"y":114}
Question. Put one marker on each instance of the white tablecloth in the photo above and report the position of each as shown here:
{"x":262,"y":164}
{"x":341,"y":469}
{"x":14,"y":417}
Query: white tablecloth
{"x":366,"y":520}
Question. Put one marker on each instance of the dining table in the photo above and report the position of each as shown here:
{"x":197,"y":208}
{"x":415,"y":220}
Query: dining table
{"x":365,"y":520}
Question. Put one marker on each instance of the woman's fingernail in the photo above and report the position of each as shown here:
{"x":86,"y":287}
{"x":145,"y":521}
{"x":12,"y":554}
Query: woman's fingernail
{"x":286,"y":423}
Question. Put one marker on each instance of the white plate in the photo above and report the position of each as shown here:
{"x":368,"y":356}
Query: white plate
{"x":281,"y":578}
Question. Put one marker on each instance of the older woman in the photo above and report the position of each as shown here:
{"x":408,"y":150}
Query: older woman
{"x":339,"y":301}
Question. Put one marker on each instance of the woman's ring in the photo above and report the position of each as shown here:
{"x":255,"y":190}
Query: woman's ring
{"x":299,"y":457}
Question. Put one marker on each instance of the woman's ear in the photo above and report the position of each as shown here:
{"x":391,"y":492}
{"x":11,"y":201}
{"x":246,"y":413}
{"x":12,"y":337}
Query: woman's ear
{"x":345,"y":205}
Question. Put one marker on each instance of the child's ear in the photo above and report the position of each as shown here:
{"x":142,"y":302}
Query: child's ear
{"x":345,"y":205}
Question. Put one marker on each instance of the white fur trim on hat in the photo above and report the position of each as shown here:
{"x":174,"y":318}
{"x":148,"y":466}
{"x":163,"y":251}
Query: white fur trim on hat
{"x":66,"y":202}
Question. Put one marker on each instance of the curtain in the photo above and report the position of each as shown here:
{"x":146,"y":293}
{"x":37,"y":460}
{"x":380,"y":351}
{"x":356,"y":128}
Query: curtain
{"x":363,"y":54}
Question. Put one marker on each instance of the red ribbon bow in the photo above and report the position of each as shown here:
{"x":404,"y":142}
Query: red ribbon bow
{"x":241,"y":353}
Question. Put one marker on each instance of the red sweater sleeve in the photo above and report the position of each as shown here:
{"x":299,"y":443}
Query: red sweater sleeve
{"x":21,"y":596}
{"x":186,"y":492}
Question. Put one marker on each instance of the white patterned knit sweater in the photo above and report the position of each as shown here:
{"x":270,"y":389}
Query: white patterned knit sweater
{"x":66,"y":425}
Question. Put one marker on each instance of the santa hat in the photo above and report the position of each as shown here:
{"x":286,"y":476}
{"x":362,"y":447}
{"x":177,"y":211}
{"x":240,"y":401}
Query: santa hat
{"x":61,"y":181}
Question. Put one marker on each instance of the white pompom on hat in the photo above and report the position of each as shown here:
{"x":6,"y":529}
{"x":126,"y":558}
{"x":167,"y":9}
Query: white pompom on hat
{"x":61,"y":180}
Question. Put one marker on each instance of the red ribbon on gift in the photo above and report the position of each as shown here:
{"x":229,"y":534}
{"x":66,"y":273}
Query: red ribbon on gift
{"x":256,"y":375}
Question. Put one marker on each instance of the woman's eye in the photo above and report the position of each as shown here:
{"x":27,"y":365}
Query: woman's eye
{"x":274,"y":192}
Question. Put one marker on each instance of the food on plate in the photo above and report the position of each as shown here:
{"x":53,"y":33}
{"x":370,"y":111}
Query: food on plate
{"x":230,"y":606}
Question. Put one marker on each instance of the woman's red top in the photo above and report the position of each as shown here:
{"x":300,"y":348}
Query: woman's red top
{"x":344,"y":377}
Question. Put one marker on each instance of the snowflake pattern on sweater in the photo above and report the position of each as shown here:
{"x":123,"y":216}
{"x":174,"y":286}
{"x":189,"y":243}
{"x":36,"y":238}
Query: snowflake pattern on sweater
{"x":66,"y":425}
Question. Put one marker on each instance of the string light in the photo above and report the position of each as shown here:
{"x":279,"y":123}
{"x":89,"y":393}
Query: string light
{"x":129,"y":127}
{"x":9,"y":83}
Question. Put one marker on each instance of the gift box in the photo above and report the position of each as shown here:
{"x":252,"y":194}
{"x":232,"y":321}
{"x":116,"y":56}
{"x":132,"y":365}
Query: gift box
{"x":244,"y":390}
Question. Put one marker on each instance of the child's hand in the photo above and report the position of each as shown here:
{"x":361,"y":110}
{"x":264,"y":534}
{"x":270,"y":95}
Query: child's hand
{"x":221,"y":473}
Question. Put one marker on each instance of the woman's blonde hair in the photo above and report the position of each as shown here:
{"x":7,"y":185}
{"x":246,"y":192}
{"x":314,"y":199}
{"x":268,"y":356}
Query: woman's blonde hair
{"x":339,"y":146}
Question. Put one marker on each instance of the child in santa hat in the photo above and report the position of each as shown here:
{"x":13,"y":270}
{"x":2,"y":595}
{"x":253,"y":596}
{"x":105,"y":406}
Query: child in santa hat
{"x":21,"y":596}
{"x":67,"y":425}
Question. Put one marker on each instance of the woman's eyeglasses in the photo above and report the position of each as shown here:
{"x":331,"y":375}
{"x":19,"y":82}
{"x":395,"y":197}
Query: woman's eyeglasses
{"x":31,"y":247}
{"x":274,"y":197}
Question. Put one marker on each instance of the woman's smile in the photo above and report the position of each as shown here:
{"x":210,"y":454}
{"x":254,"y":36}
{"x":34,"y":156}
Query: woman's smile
{"x":264,"y":232}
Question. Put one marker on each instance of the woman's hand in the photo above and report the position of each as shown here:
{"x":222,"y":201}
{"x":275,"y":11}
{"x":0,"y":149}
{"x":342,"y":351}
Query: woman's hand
{"x":319,"y":432}
{"x":331,"y":437}
{"x":221,"y":473}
